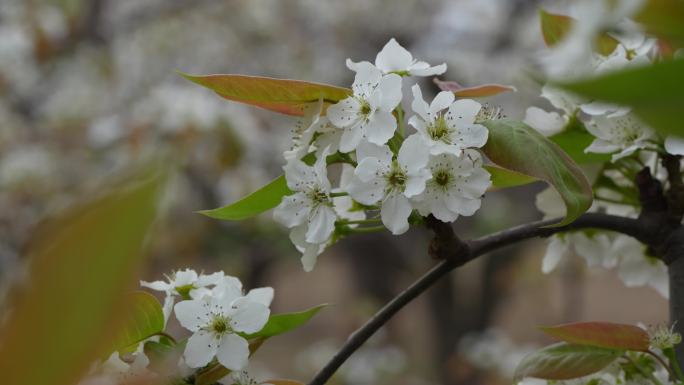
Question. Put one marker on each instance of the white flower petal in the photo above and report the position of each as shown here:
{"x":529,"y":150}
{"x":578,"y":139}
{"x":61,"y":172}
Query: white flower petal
{"x":192,"y":314}
{"x":351,"y":137}
{"x":344,"y":113}
{"x":380,"y":127}
{"x":463,"y":206}
{"x":443,"y":100}
{"x":416,"y":69}
{"x":299,"y":175}
{"x":393,"y":57}
{"x":674,"y":145}
{"x":547,"y":123}
{"x":390,"y":90}
{"x":463,"y":111}
{"x":292,"y":211}
{"x":471,"y":136}
{"x":413,"y":154}
{"x":200,"y":349}
{"x":415,"y":183}
{"x":157,"y":285}
{"x":555,"y":251}
{"x":418,"y":105}
{"x":366,"y":79}
{"x":248,"y":316}
{"x":367,"y":193}
{"x":184,"y":277}
{"x":600,"y":146}
{"x":321,"y":224}
{"x":370,"y":150}
{"x":395,"y":212}
{"x":233,"y":352}
{"x":262,"y":295}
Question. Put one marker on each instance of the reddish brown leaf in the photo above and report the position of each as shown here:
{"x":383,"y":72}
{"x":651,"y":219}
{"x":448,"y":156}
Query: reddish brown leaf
{"x":601,"y":334}
{"x":480,"y":91}
{"x":280,"y":95}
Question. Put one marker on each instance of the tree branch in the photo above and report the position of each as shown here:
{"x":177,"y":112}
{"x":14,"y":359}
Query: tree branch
{"x":460,"y":253}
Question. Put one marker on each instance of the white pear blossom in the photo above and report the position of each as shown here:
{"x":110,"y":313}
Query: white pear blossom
{"x":546,"y":123}
{"x":594,"y":249}
{"x":186,"y":284}
{"x":380,"y":178}
{"x":393,"y":58}
{"x":216,"y":322}
{"x":368,"y":112}
{"x":636,"y":268}
{"x":344,"y":205}
{"x":115,"y":371}
{"x":311,"y":203}
{"x":451,"y":131}
{"x":310,"y":251}
{"x":674,"y":145}
{"x":621,"y":136}
{"x":456,"y":188}
{"x":304,"y":130}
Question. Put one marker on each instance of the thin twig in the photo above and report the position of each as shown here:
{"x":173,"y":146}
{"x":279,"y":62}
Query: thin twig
{"x":466,"y":252}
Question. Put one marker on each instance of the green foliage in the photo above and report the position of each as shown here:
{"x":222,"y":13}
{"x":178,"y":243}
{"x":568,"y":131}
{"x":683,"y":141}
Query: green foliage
{"x":144,"y":319}
{"x":257,"y":202}
{"x":280,"y":95}
{"x":503,"y":178}
{"x":654,"y":92}
{"x":82,"y":263}
{"x":516,"y":146}
{"x":665,"y":19}
{"x":564,"y":361}
{"x":283,"y":323}
{"x":602,"y":334}
{"x":554,"y":28}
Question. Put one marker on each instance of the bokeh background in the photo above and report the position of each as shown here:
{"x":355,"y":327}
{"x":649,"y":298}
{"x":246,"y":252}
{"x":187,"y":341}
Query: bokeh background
{"x":89,"y":86}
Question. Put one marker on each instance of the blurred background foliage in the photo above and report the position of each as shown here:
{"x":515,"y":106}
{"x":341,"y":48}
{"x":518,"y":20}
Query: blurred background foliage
{"x":88,"y":87}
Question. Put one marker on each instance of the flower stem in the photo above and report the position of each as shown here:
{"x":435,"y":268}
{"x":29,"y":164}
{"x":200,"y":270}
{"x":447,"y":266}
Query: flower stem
{"x":670,"y":354}
{"x":400,"y":119}
{"x":643,"y":371}
{"x":371,"y":221}
{"x":338,"y":194}
{"x":663,"y":364}
{"x":370,"y":229}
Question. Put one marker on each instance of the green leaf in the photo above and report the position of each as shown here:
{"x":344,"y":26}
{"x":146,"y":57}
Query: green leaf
{"x":654,"y":92}
{"x":503,"y":178}
{"x":663,"y":18}
{"x":574,"y":140}
{"x":82,"y":265}
{"x":280,"y":95}
{"x":283,"y":323}
{"x":555,"y":27}
{"x":564,"y":361}
{"x":144,"y":319}
{"x":602,"y":334}
{"x":257,"y":202}
{"x":516,"y":146}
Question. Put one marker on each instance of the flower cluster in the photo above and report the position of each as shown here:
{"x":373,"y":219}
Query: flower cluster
{"x":387,"y":174}
{"x":215,"y":309}
{"x":617,"y":131}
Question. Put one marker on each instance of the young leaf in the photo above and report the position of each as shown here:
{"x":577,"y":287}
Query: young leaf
{"x":574,"y":140}
{"x":516,"y":146}
{"x":283,"y":323}
{"x":555,"y":27}
{"x":480,"y":91}
{"x":144,"y":319}
{"x":654,"y":92}
{"x":280,"y":95}
{"x":502,"y":178}
{"x":564,"y":361}
{"x":602,"y":334}
{"x":257,"y":202}
{"x":82,"y":264}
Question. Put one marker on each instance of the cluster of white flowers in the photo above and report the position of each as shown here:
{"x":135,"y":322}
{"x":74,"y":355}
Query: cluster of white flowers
{"x":436,"y":170}
{"x":616,"y":130}
{"x":622,"y":252}
{"x":215,"y":309}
